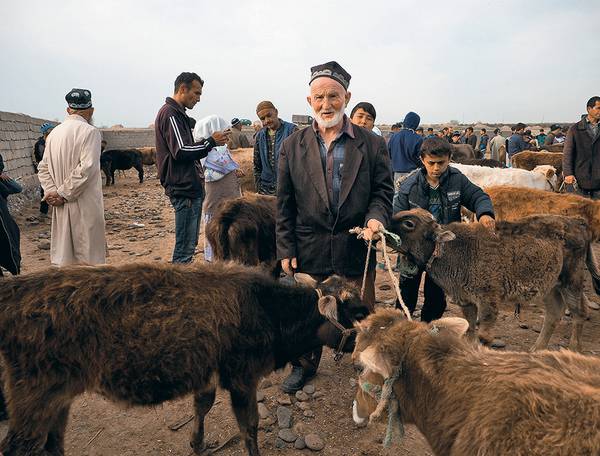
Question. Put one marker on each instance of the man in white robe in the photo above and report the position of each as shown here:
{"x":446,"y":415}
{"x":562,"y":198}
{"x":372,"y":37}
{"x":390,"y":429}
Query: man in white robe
{"x":70,"y":176}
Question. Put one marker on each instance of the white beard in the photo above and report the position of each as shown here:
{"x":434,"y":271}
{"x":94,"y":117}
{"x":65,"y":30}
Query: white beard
{"x":337,"y":118}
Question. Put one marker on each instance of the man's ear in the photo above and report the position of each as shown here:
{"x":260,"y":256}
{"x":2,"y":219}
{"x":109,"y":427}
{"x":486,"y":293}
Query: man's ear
{"x":308,"y":100}
{"x":348,"y":96}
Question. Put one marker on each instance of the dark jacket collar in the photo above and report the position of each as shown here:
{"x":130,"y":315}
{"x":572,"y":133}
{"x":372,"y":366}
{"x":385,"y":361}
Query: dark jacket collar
{"x":171,"y":102}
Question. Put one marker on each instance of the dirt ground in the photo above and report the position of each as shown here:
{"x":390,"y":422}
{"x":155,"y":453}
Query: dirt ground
{"x":140,"y":227}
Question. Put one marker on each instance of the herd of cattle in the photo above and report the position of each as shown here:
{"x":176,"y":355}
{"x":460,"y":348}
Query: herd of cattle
{"x":142,"y":334}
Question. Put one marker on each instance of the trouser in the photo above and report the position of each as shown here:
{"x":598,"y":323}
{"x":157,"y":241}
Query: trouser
{"x":310,"y":361}
{"x":435,"y":300}
{"x":187,"y":227}
{"x":593,"y":194}
{"x":43,"y":204}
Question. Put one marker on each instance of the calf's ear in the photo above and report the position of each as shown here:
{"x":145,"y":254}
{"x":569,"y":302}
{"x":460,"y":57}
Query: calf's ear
{"x":456,"y":325}
{"x":444,"y":236}
{"x":328,"y":307}
{"x":374,"y":360}
{"x":305,"y":279}
{"x":550,"y":173}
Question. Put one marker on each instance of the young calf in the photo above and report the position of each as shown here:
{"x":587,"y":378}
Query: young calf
{"x":541,"y":177}
{"x":539,"y":258}
{"x":143,"y":334}
{"x":469,"y":400}
{"x":112,"y":160}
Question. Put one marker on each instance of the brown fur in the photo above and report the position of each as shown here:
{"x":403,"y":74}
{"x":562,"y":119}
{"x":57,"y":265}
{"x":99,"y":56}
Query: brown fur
{"x":245,"y":158}
{"x":470,"y":400}
{"x":554,"y":147}
{"x":142,"y":334}
{"x":529,"y":160}
{"x":463,"y":152}
{"x":513,"y":203}
{"x":148,"y":155}
{"x":531,"y":260}
{"x":243,"y":230}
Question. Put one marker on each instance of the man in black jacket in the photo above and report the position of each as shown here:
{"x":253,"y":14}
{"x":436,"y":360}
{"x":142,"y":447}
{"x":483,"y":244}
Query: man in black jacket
{"x":441,"y":190}
{"x":178,"y":162}
{"x":581,"y":158}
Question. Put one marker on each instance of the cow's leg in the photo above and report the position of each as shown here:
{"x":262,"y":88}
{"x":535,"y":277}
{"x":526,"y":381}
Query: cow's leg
{"x":469,"y":311}
{"x":56,"y":437}
{"x":246,"y":413}
{"x":140,"y":170}
{"x":488,"y":312}
{"x":203,"y":401}
{"x":576,"y":303}
{"x":553,"y":309}
{"x":112,"y":176}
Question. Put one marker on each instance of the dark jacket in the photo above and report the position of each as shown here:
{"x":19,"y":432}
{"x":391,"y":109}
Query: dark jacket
{"x":265,"y":176}
{"x":581,"y":156}
{"x":516,"y":144}
{"x":456,"y":190}
{"x":10,"y":236}
{"x":472,"y":140}
{"x":306,"y":226}
{"x":405,"y":146}
{"x":38,"y":152}
{"x":177,"y":154}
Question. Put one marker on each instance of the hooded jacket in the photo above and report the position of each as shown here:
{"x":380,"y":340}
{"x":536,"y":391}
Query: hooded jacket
{"x":405,"y":145}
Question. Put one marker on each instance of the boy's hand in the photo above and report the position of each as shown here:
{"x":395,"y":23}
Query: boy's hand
{"x":488,"y":222}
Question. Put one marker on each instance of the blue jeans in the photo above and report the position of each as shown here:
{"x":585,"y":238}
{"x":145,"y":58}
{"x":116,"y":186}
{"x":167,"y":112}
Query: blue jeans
{"x":187,"y":227}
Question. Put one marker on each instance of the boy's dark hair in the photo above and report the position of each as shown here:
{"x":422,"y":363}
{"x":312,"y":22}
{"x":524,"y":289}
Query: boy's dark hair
{"x":469,"y":129}
{"x":365,"y":106}
{"x":484,"y":130}
{"x":430,"y":129}
{"x":186,"y":79}
{"x":519,"y":126}
{"x":436,"y":147}
{"x":496,"y":131}
{"x":592,"y":102}
{"x":419,"y":129}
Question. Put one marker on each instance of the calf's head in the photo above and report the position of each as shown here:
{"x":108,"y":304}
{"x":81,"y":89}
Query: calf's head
{"x":420,"y":234}
{"x":339,"y":302}
{"x":385,"y":341}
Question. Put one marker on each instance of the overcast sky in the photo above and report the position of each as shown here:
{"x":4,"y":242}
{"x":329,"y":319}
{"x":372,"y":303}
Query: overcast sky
{"x":494,"y":61}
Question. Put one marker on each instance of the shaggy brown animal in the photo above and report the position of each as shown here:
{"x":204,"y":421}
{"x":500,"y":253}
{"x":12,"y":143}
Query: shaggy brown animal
{"x":143,"y":334}
{"x":513,"y":203}
{"x":243,"y":230}
{"x":529,"y":160}
{"x":554,"y":147}
{"x":148,"y":155}
{"x":539,"y":258}
{"x":469,"y":400}
{"x":463,"y":152}
{"x":245,"y":158}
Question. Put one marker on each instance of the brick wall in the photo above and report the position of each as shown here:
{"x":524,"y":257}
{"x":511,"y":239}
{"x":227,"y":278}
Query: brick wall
{"x":128,"y":138}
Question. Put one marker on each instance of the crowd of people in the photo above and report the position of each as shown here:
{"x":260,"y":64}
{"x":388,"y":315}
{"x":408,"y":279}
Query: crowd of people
{"x":334,"y":175}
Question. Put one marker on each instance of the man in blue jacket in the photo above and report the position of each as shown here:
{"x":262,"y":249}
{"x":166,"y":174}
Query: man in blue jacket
{"x":404,"y":148}
{"x":441,"y":190}
{"x":267,"y":145}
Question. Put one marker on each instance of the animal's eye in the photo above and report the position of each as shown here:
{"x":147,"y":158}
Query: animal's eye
{"x":408,"y":224}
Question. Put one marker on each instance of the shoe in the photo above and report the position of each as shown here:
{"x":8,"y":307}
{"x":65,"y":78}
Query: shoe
{"x":295,"y":381}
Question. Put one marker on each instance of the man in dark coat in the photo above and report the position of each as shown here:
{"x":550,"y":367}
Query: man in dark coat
{"x":10,"y":236}
{"x":581,"y":155}
{"x":332,"y":176}
{"x":38,"y":154}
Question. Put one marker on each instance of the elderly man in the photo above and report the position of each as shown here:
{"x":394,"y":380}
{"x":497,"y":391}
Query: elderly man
{"x":236,"y":138}
{"x":69,"y":173}
{"x":267,"y":145}
{"x":581,"y":159}
{"x":333,"y":176}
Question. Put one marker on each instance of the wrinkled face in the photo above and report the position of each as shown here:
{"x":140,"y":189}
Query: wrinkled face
{"x":594,"y":112}
{"x":269,"y":118}
{"x":435,"y":166}
{"x":328,"y":99}
{"x":363,"y":119}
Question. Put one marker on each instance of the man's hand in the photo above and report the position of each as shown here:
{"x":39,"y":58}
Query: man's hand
{"x":289,"y":265}
{"x":4,"y":177}
{"x":54,"y":199}
{"x":221,"y":137}
{"x":488,"y":222}
{"x":374,"y":226}
{"x":570,"y":180}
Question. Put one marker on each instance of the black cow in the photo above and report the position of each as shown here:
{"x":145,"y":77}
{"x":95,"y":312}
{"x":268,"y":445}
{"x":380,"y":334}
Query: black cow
{"x":114,"y":159}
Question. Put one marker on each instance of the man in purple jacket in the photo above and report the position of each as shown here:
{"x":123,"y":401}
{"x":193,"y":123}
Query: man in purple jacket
{"x":178,"y":162}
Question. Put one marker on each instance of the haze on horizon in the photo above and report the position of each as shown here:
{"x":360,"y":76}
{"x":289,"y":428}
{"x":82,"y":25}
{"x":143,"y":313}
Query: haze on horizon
{"x":471,"y":61}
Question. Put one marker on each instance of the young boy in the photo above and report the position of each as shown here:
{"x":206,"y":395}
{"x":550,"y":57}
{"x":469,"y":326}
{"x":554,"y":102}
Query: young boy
{"x":441,"y":190}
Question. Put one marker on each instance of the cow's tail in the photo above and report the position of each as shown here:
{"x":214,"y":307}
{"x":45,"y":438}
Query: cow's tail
{"x":217,"y":232}
{"x":592,"y":266}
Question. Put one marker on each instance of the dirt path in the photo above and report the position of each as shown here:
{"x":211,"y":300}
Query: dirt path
{"x":140,"y":227}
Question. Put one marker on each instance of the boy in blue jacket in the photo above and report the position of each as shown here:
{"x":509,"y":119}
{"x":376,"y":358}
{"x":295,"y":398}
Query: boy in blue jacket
{"x":442,"y":190}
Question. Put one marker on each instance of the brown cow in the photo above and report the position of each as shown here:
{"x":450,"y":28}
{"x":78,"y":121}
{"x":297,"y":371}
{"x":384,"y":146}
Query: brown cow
{"x":143,"y":334}
{"x":148,"y":155}
{"x":463,"y":152}
{"x":513,"y":203}
{"x":529,"y":160}
{"x":469,"y":400}
{"x":539,"y":258}
{"x":243,"y":230}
